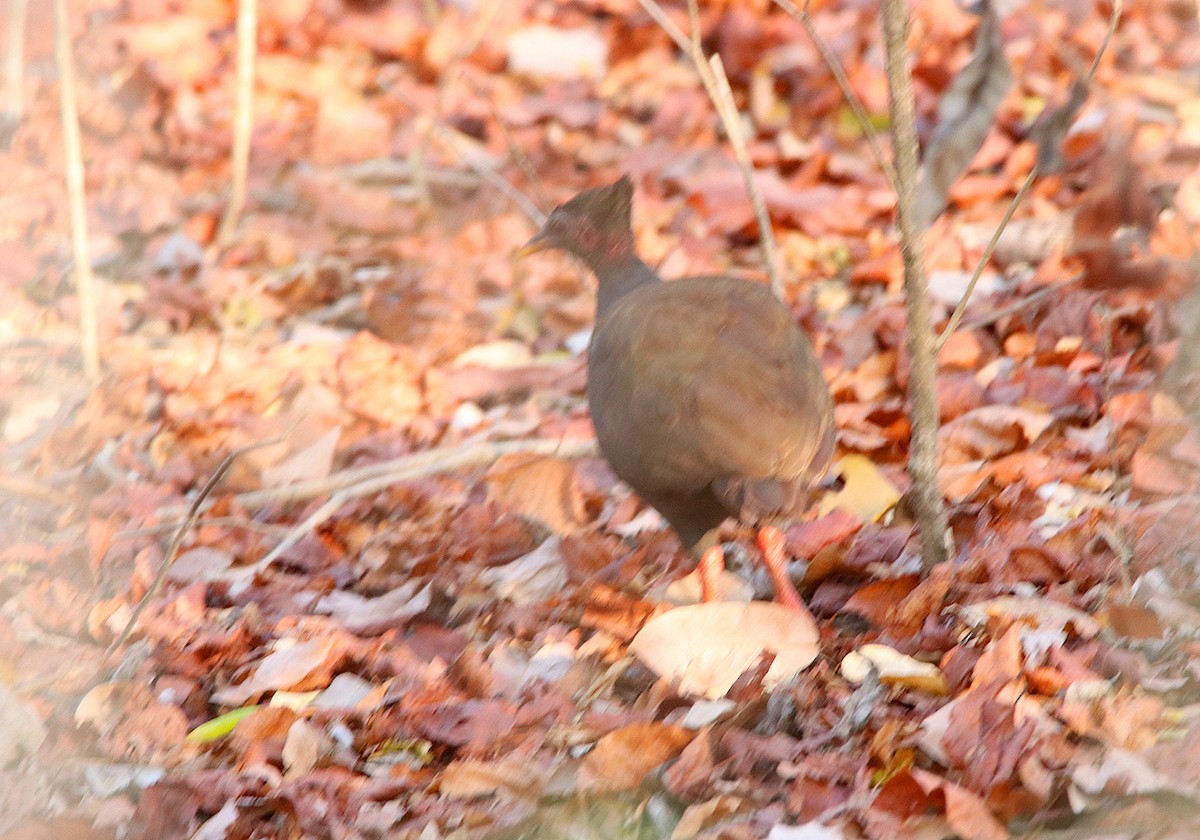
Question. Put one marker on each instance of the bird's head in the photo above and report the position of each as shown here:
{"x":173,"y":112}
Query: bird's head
{"x":594,"y":226}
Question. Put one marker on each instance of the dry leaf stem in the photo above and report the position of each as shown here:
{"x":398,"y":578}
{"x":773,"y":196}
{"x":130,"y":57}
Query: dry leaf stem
{"x":952,"y":325}
{"x":1072,"y":106}
{"x":716,"y":85}
{"x":839,"y":74}
{"x":14,"y":65}
{"x":354,"y":484}
{"x":76,"y":198}
{"x":243,"y":116}
{"x":177,"y":538}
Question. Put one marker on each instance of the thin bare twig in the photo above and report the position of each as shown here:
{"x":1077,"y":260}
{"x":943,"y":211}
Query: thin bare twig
{"x":922,"y":384}
{"x":177,"y":539}
{"x":378,"y":477}
{"x":419,"y":156}
{"x":843,"y":81}
{"x":14,"y":67}
{"x":941,"y":340}
{"x":514,"y":148}
{"x":712,"y":75}
{"x":418,"y":465}
{"x":454,"y":142}
{"x":76,"y":199}
{"x":952,"y":325}
{"x":243,"y":116}
{"x":232,"y":522}
{"x":1017,"y":306}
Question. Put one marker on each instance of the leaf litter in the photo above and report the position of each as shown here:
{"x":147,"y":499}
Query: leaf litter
{"x":491,"y":649}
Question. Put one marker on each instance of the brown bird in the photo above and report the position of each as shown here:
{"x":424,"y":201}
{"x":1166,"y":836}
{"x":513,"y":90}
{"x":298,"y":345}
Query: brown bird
{"x":706,"y":397}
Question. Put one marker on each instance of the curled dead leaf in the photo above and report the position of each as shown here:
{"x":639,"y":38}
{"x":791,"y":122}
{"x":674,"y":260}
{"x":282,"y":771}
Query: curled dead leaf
{"x":706,"y":647}
{"x":866,"y":492}
{"x":621,"y":759}
{"x":895,"y":668}
{"x":540,"y":487}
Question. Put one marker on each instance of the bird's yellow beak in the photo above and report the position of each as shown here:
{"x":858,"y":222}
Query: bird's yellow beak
{"x":539,"y":242}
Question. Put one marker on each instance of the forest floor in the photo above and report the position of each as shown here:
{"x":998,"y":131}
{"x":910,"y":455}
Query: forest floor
{"x":443,"y":650}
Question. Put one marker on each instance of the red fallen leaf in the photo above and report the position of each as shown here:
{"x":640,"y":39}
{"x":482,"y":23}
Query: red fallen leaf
{"x":539,"y":487}
{"x":882,"y":269}
{"x":707,"y":647}
{"x":983,"y":738}
{"x":1034,"y":469}
{"x":1047,"y":681}
{"x":286,"y":667}
{"x":1129,"y":407}
{"x":962,"y":350}
{"x":691,"y":775}
{"x":901,"y":797}
{"x":380,"y":381}
{"x":1125,"y":720}
{"x":970,"y":816}
{"x":925,"y":600}
{"x":585,"y":555}
{"x":485,"y":534}
{"x":974,"y":189}
{"x":1076,"y":665}
{"x":806,"y":539}
{"x":1133,"y":621}
{"x":1155,"y":475}
{"x":1035,"y":563}
{"x":269,"y":724}
{"x":510,"y":776}
{"x":621,"y":759}
{"x":1003,"y":659}
{"x":990,"y":431}
{"x":957,"y":393}
{"x":1020,"y":345}
{"x":878,"y":600}
{"x":808,"y":798}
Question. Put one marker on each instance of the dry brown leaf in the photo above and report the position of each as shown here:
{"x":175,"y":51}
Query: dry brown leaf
{"x":306,"y":745}
{"x":878,"y":600}
{"x":702,"y":815}
{"x":965,"y":116}
{"x":372,"y":616}
{"x":310,"y":462}
{"x":541,"y":487}
{"x":621,"y":759}
{"x":867,"y":493}
{"x":283,"y":668}
{"x":1133,"y":621}
{"x":706,"y":647}
{"x":894,"y":668}
{"x":989,"y":431}
{"x":1036,"y":612}
{"x":529,"y":579}
{"x":510,"y":776}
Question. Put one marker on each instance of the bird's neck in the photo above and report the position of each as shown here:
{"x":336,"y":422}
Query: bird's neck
{"x":618,"y":278}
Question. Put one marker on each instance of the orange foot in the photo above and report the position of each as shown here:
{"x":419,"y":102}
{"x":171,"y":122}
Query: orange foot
{"x":712,"y":566}
{"x":770,"y":540}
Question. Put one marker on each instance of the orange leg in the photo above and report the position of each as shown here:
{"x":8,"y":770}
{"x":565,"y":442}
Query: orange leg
{"x":712,"y":566}
{"x":770,"y":540}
